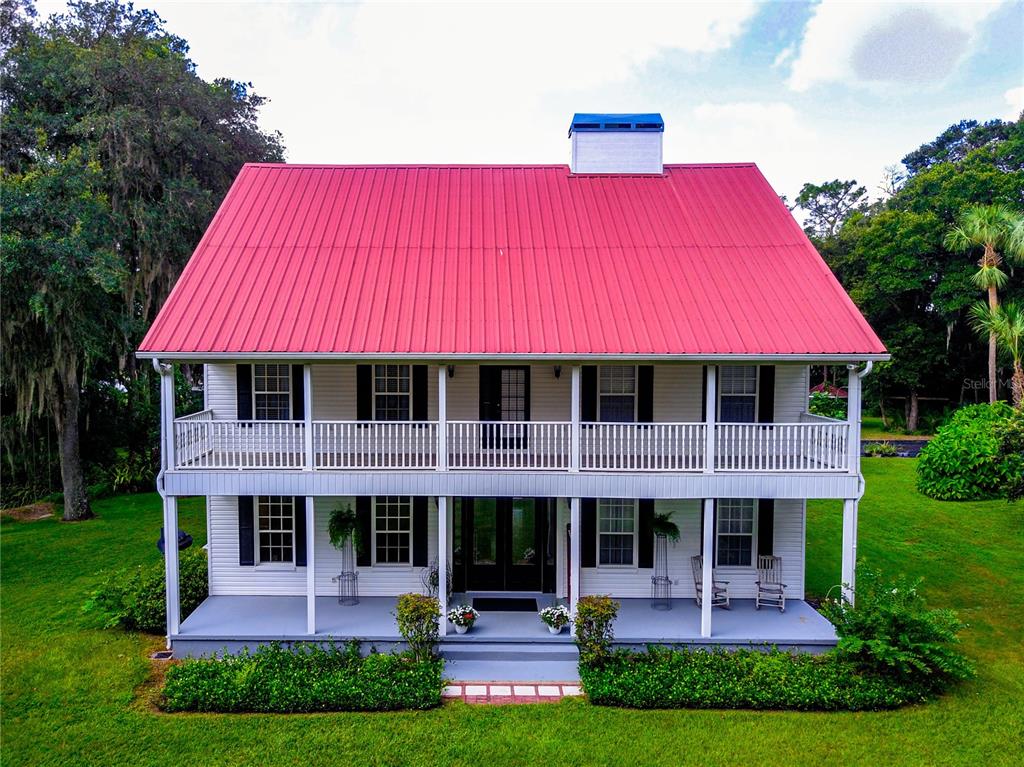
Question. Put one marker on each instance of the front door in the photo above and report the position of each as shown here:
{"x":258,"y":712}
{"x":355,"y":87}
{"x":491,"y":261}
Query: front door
{"x":503,"y":544}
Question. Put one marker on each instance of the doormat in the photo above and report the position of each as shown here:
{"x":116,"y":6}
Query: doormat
{"x":503,"y":605}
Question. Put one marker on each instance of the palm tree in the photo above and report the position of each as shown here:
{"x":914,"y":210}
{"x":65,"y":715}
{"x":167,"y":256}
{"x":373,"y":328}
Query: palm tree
{"x":1006,"y":323}
{"x":994,"y":228}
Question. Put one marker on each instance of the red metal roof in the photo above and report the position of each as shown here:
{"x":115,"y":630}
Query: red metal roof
{"x":494,"y":260}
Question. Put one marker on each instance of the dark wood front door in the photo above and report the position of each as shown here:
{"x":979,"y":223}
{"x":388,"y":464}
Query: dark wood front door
{"x":504,"y":544}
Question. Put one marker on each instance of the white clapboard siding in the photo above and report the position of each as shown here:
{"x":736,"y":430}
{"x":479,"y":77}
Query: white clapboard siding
{"x":678,"y":390}
{"x":791,"y":392}
{"x":221,"y":391}
{"x":334,"y":392}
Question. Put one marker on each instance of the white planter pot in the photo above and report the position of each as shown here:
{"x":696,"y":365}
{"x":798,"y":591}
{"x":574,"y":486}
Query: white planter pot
{"x":461,"y":629}
{"x":555,"y":630}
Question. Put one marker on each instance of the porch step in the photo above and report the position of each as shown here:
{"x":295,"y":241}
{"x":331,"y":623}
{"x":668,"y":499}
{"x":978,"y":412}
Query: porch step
{"x":511,"y":671}
{"x":532,"y":652}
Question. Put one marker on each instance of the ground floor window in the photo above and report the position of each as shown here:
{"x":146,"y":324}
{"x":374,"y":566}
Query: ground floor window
{"x":616,"y":531}
{"x":392,"y":530}
{"x":735,"y":532}
{"x":276,"y":531}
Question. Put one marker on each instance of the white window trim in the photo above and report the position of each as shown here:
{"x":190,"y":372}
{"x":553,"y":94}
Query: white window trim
{"x":635,"y":534}
{"x":753,"y":538}
{"x":635,"y":395}
{"x":756,"y":395}
{"x":256,"y":393}
{"x":283,"y":566}
{"x":373,"y":535}
{"x":390,"y":393}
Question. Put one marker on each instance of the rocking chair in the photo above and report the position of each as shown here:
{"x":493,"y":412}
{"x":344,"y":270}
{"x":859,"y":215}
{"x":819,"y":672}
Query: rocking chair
{"x":719,"y":589}
{"x":770,"y":588}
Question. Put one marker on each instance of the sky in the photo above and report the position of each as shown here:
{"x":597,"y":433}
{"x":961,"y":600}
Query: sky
{"x":808,"y":91}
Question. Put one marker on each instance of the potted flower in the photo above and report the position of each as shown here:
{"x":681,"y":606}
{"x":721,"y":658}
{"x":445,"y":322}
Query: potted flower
{"x":555,"y":618}
{"x":665,"y":527}
{"x":463,"y":617}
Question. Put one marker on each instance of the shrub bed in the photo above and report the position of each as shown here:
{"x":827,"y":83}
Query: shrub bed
{"x":303,"y":679}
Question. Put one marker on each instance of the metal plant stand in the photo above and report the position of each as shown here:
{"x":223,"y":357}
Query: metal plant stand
{"x":348,"y":578}
{"x":661,"y":584}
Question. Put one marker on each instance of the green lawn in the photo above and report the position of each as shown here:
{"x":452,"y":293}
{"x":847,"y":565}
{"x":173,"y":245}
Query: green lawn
{"x":72,"y":694}
{"x":871,"y":427}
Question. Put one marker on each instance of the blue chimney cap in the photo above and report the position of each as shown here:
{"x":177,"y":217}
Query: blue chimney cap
{"x":591,"y":122}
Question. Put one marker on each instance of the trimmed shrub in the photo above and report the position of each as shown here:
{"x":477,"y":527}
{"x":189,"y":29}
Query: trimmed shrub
{"x":892,"y":633}
{"x":418,"y":622}
{"x":594,"y":634}
{"x":302,"y":679}
{"x":880,"y":450}
{"x":678,"y":678}
{"x":1011,"y":438}
{"x":964,"y":461}
{"x":136,"y":599}
{"x":826,"y":405}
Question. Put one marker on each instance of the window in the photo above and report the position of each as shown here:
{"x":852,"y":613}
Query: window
{"x":392,"y":530}
{"x":391,"y":392}
{"x":513,"y":394}
{"x":735,"y":533}
{"x":737,"y":386}
{"x":271,"y":389}
{"x":616,"y":528}
{"x":617,"y":393}
{"x":276,"y":516}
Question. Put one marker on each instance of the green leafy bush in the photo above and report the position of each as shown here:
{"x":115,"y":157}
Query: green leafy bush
{"x":594,"y":617}
{"x":964,"y":462}
{"x":302,"y":679}
{"x":826,"y":405}
{"x":1011,"y":439}
{"x":136,"y":599}
{"x":418,"y":622}
{"x":880,"y":450}
{"x":679,"y":678}
{"x":892,"y":632}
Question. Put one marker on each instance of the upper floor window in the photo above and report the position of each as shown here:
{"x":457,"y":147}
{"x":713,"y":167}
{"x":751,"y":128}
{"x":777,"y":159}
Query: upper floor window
{"x":735,"y":532}
{"x":271,"y":391}
{"x":737,"y":386}
{"x":617,"y":393}
{"x":392,"y":530}
{"x":513,"y":394}
{"x":616,"y":531}
{"x":392,"y":392}
{"x":276,"y":528}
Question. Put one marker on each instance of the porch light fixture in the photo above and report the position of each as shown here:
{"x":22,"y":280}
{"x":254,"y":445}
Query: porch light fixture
{"x":451,"y":371}
{"x":558,"y":371}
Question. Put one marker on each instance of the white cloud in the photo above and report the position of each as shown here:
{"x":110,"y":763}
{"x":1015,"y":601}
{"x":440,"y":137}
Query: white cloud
{"x":1014,"y":103}
{"x":902,"y":43}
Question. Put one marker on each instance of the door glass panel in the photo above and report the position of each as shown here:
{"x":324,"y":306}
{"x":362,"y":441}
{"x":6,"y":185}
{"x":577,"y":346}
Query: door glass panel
{"x":524,"y":531}
{"x":513,"y":394}
{"x":485,"y":531}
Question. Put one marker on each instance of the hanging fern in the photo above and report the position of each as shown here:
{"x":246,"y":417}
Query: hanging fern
{"x":344,"y":525}
{"x":663,"y":525}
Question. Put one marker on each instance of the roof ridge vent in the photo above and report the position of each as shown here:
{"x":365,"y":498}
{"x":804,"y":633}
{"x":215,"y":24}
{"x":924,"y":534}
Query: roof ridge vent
{"x":627,"y":143}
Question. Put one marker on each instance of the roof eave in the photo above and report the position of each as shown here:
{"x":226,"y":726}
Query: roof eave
{"x":851,"y":357}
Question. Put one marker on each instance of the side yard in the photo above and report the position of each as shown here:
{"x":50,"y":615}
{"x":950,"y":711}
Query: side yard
{"x":74,"y":694}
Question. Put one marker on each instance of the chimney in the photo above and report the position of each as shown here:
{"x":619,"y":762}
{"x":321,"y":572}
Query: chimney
{"x":616,"y":143}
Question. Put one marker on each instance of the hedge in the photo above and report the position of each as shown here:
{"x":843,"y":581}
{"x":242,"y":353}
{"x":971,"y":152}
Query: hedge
{"x":302,"y":679}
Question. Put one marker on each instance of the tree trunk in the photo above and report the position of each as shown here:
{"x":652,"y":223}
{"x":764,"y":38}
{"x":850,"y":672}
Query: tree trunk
{"x":912,"y":412}
{"x":1017,"y":384}
{"x":993,"y":304}
{"x":76,"y":501}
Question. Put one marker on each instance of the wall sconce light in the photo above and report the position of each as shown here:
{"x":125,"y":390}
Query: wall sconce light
{"x":558,"y":371}
{"x":451,"y":371}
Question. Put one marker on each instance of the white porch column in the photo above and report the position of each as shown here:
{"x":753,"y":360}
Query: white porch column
{"x":707,"y":550}
{"x":853,"y":407}
{"x":166,"y":371}
{"x":307,"y":386}
{"x":442,"y":419}
{"x":310,"y":562}
{"x":710,"y":402}
{"x":574,"y":439}
{"x":849,"y":573}
{"x":171,"y":566}
{"x":442,"y":560}
{"x":575,"y":528}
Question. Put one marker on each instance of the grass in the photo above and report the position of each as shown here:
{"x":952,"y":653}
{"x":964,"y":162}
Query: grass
{"x":871,"y":427}
{"x":73,"y":694}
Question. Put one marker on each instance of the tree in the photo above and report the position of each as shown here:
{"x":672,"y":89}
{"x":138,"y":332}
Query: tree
{"x":828,"y":205}
{"x":993,"y":228}
{"x":956,"y":143}
{"x":1006,"y":324}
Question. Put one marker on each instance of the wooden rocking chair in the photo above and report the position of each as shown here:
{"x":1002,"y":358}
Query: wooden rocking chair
{"x":770,"y":588}
{"x":719,"y":589}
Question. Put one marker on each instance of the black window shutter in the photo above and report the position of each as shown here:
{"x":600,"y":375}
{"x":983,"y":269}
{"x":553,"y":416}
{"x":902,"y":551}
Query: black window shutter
{"x":364,"y":553}
{"x":298,"y":393}
{"x":246,"y":531}
{"x":300,"y":530}
{"x":490,"y":393}
{"x":364,"y":393}
{"x":765,"y":527}
{"x":588,"y":532}
{"x":243,"y":376}
{"x":419,"y":392}
{"x":645,"y":394}
{"x":766,"y":394}
{"x":588,"y":393}
{"x":419,"y":531}
{"x":645,"y":531}
{"x":704,"y":393}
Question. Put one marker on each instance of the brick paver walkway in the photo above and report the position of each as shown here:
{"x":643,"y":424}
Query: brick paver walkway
{"x":512,"y":692}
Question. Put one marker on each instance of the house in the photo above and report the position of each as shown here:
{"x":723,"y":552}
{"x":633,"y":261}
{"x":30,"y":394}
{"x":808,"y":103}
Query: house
{"x":507,"y":371}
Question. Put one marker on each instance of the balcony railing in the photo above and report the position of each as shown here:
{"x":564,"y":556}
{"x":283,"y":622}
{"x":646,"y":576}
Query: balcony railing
{"x":813,"y":445}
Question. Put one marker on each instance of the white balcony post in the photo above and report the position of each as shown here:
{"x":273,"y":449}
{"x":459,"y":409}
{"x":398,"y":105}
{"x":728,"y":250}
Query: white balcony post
{"x":574,"y":414}
{"x":310,"y":557}
{"x":575,"y":528}
{"x":307,"y":385}
{"x":707,"y":550}
{"x":171,"y":566}
{"x":849,"y":571}
{"x":442,"y":418}
{"x":442,"y":561}
{"x":166,"y":371}
{"x":710,"y":402}
{"x":853,"y":406}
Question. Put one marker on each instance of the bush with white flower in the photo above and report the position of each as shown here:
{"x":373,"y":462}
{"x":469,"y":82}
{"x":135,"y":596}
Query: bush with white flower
{"x":463,"y":615}
{"x":555,"y":617}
